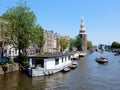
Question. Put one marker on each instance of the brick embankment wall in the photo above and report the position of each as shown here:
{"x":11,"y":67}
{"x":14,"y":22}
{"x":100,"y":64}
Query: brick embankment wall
{"x":11,"y":68}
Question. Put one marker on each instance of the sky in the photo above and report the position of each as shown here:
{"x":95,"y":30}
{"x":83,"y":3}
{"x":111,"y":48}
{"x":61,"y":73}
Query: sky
{"x":102,"y":17}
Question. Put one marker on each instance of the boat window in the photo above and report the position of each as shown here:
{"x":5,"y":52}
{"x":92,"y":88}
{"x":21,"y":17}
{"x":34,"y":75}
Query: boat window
{"x":39,"y":62}
{"x":15,"y":51}
{"x":62,"y":60}
{"x":65,"y":59}
{"x":56,"y":61}
{"x":69,"y":58}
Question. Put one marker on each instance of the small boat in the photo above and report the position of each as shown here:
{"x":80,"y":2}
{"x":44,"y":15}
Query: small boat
{"x":101,"y":60}
{"x":73,"y":65}
{"x":116,"y":54}
{"x":82,"y":54}
{"x":66,"y":69}
{"x":75,"y":56}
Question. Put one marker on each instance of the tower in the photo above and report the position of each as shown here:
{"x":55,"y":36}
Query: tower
{"x":83,"y":35}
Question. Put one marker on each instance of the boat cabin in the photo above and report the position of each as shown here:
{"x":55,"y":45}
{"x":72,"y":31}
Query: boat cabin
{"x":43,"y":65}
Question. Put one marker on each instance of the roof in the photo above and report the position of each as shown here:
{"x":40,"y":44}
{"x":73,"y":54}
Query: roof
{"x":51,"y":56}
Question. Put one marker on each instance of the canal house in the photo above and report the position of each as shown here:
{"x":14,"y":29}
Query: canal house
{"x":47,"y":65}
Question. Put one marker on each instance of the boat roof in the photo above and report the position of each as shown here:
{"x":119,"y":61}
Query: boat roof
{"x":51,"y":55}
{"x":102,"y":58}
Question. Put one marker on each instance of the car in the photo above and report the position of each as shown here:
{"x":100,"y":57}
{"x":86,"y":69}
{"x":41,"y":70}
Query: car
{"x":4,"y":60}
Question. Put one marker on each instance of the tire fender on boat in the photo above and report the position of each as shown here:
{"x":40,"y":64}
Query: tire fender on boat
{"x":46,"y":73}
{"x":50,"y":72}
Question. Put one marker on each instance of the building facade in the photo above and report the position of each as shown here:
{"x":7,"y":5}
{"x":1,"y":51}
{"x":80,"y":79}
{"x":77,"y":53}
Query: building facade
{"x":83,"y":35}
{"x":51,"y":42}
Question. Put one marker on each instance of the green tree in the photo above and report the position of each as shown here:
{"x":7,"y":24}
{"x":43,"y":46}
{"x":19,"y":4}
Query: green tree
{"x":20,"y":23}
{"x":38,"y":37}
{"x":72,"y":43}
{"x":3,"y":35}
{"x":78,"y":42}
{"x":115,"y":44}
{"x":63,"y":44}
{"x":89,"y":45}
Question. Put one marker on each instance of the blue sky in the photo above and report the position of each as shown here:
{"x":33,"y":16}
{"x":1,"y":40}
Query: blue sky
{"x":102,"y":17}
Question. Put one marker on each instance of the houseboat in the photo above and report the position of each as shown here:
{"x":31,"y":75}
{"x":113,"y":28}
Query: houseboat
{"x":47,"y":65}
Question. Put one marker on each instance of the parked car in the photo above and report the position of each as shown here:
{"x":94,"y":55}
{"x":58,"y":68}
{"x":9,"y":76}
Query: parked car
{"x":4,"y":60}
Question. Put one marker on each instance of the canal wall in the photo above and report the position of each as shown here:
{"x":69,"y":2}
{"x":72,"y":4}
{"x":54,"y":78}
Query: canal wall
{"x":10,"y":68}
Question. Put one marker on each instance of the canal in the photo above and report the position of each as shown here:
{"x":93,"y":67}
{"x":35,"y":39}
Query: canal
{"x":89,"y":75}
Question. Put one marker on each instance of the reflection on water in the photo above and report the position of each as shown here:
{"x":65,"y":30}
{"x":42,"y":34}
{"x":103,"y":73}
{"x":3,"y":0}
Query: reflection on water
{"x":89,"y":75}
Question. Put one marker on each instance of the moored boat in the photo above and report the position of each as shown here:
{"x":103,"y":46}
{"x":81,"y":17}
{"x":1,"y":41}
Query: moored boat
{"x":47,"y":65}
{"x":66,"y":69}
{"x":101,"y":60}
{"x":82,"y":54}
{"x":75,"y":56}
{"x":73,"y":65}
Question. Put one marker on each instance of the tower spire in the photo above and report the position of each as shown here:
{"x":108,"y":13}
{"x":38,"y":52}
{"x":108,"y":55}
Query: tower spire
{"x":83,"y":35}
{"x":82,"y":26}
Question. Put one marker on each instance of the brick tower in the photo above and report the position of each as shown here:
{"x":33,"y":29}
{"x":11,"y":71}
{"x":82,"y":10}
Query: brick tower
{"x":83,"y":35}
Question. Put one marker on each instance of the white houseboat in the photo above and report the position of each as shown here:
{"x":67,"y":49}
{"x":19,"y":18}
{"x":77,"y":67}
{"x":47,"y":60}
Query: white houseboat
{"x":46,"y":65}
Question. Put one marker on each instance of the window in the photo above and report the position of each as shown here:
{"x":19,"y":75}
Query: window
{"x":56,"y":61}
{"x":15,"y":51}
{"x":38,"y":62}
{"x":65,"y":59}
{"x":69,"y":58}
{"x":10,"y":52}
{"x":62,"y":60}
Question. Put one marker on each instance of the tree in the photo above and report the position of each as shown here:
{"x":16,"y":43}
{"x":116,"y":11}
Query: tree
{"x":20,"y":23}
{"x":115,"y":44}
{"x":72,"y":43}
{"x":63,"y":44}
{"x":2,"y":35}
{"x":78,"y":42}
{"x":89,"y":45}
{"x":38,"y":37}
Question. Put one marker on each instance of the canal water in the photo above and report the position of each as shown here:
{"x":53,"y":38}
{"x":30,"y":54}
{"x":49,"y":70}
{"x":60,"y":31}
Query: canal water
{"x":89,"y":75}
